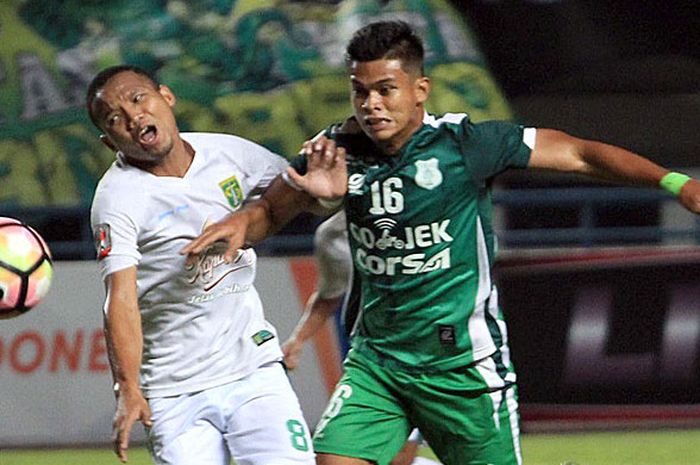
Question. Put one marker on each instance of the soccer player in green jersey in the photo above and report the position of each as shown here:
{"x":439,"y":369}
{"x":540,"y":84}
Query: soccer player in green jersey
{"x":430,"y":347}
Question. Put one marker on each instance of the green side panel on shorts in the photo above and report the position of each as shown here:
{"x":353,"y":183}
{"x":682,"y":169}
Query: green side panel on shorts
{"x":454,"y":411}
{"x":364,"y":409}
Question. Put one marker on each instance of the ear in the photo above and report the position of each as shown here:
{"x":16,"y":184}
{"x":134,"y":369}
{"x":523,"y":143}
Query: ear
{"x":422,"y":89}
{"x":108,"y":142}
{"x":167,"y":95}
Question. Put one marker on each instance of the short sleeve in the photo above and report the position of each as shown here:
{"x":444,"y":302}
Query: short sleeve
{"x":494,"y":146}
{"x":115,"y":236}
{"x":266,"y":167}
{"x":274,"y":166}
{"x":332,"y":254}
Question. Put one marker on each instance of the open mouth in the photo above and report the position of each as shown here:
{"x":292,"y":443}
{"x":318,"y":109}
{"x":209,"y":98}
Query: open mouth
{"x":148,"y":134}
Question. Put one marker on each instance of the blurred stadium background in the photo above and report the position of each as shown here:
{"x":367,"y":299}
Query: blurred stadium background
{"x":599,"y":283}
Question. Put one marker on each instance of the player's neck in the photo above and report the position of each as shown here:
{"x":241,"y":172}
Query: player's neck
{"x":176,"y":163}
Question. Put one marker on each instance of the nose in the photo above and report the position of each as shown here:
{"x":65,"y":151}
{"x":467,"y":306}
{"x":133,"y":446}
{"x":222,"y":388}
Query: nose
{"x":133,"y":115}
{"x":372,"y":101}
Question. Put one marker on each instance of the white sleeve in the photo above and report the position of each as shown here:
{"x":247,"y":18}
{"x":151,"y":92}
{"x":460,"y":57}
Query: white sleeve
{"x":529,"y":136}
{"x":263,"y":167}
{"x":115,"y":235}
{"x":332,"y":253}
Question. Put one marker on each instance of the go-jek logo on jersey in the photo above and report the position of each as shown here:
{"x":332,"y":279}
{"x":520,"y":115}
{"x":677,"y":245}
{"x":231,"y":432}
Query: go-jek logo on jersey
{"x":420,"y":236}
{"x":423,"y":235}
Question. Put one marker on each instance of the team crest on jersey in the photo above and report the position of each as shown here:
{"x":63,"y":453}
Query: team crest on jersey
{"x":103,"y":240}
{"x":428,"y":175}
{"x":232,"y":191}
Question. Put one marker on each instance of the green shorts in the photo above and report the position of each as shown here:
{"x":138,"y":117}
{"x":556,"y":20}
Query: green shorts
{"x":467,"y":416}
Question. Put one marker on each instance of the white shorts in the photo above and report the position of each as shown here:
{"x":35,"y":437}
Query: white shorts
{"x":256,"y":421}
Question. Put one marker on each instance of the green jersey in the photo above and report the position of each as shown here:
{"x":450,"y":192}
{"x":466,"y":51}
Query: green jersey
{"x":422,"y":241}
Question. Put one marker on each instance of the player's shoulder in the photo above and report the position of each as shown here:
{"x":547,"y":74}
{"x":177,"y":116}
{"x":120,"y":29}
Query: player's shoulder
{"x":494,"y":125}
{"x":120,"y":178}
{"x":333,"y":226}
{"x":331,"y":240}
{"x":462,"y":122}
{"x":229,"y":148}
{"x":121,"y":187}
{"x":449,"y":125}
{"x":218,"y":140}
{"x":445,"y":120}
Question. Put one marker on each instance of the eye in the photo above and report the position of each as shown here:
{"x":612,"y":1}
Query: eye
{"x":359,"y":92}
{"x":386,"y":90}
{"x":139,"y":97}
{"x":112,"y":120}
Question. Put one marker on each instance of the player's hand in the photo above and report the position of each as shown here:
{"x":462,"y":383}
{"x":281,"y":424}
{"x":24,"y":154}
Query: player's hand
{"x":291,"y":349}
{"x":231,"y":229}
{"x":689,"y":196}
{"x":326,"y":171}
{"x":131,"y":407}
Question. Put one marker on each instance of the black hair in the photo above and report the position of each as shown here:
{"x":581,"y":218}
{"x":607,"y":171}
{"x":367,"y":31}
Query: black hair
{"x":101,"y":78}
{"x":387,"y":40}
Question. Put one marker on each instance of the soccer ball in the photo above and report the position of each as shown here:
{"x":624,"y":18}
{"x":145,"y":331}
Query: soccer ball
{"x":26,"y":268}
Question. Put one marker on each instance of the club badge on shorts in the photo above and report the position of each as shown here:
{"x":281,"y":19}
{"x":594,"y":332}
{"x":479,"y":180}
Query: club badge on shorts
{"x":428,"y":175}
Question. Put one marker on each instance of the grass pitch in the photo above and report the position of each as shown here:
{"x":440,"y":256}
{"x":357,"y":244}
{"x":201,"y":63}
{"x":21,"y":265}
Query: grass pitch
{"x":666,"y":447}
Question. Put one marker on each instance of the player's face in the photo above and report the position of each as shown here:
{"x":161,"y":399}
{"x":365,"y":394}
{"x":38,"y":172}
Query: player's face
{"x":137,"y":118}
{"x":388,"y":101}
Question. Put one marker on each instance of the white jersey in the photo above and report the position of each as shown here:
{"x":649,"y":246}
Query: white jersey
{"x":202,"y":319}
{"x":332,"y":254}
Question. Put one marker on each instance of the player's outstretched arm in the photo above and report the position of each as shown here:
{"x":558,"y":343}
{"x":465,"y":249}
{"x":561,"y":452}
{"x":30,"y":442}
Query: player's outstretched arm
{"x":323,"y":188}
{"x":556,"y":150}
{"x":316,"y":314}
{"x":689,"y":195}
{"x":124,"y":347}
{"x":256,"y":220}
{"x":332,"y":256}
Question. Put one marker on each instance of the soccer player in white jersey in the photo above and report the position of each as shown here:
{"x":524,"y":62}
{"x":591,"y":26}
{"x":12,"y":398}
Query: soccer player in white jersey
{"x":191,"y":353}
{"x":334,"y":263}
{"x":430,"y":348}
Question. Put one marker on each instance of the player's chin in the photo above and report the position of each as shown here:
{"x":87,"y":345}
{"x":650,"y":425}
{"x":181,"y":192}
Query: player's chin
{"x":378,"y":134}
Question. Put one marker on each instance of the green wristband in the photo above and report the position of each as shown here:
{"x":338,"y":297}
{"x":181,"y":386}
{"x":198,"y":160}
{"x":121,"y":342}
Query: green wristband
{"x":673,"y":182}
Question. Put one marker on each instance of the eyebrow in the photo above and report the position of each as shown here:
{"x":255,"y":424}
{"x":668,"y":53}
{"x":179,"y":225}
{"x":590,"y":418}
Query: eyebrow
{"x":128,"y":95}
{"x":378,"y":83}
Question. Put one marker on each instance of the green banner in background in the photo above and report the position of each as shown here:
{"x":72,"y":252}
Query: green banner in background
{"x":270,"y":71}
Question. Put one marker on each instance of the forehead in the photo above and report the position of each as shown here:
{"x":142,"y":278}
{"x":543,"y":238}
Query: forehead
{"x":370,"y":72}
{"x":121,"y":86}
